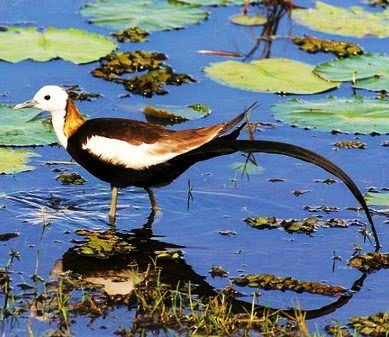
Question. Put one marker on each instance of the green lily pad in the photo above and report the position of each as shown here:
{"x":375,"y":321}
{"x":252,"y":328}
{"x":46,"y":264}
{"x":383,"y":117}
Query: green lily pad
{"x":248,"y":20}
{"x":367,"y":71}
{"x":14,"y":161}
{"x":275,"y":75}
{"x":380,"y":199}
{"x":29,"y":43}
{"x":354,"y":115}
{"x":353,"y":21}
{"x":178,"y":113}
{"x":150,"y":15}
{"x":24,"y":128}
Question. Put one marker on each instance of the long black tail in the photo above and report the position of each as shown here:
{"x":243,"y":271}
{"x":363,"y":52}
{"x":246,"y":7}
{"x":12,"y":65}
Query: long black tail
{"x":225,"y":146}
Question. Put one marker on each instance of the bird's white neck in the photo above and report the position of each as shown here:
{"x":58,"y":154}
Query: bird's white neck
{"x":58,"y":121}
{"x":65,"y":123}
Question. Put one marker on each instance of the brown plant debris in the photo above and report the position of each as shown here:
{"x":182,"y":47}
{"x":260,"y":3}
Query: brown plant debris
{"x":376,"y":325}
{"x":70,"y":178}
{"x":113,"y":66}
{"x":382,"y":3}
{"x":173,"y":254}
{"x":78,"y":94}
{"x":8,"y":236}
{"x":218,"y":271}
{"x":321,"y":208}
{"x":350,"y":144}
{"x":338,"y":331}
{"x":133,"y":34}
{"x":272,"y":282}
{"x":307,"y":225}
{"x":370,"y":262}
{"x":328,"y":181}
{"x":339,"y":48}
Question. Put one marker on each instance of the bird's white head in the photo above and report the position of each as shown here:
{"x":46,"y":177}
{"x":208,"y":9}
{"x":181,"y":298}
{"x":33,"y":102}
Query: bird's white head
{"x":64,"y":114}
{"x":49,"y":98}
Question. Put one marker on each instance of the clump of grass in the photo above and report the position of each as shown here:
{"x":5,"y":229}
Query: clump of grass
{"x":160,"y":307}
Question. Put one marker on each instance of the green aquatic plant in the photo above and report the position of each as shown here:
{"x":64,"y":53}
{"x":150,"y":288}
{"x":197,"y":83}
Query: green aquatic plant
{"x":272,"y":282}
{"x":339,"y":48}
{"x":70,"y":178}
{"x":114,"y":66}
{"x":133,"y":34}
{"x":307,"y":225}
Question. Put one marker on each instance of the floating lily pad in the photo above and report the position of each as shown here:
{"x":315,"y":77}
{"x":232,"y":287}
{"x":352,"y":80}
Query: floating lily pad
{"x":14,"y":161}
{"x":272,"y":282}
{"x":380,"y":199}
{"x":150,"y":15}
{"x":339,"y":48}
{"x":354,"y":21}
{"x":354,"y":115}
{"x":275,"y":75}
{"x":177,"y":113}
{"x":24,"y":128}
{"x":30,"y":43}
{"x":368,"y":71}
{"x":248,"y":20}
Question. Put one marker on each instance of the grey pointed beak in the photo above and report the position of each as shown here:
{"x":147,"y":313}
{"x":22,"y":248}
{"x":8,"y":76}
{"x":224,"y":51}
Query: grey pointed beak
{"x":32,"y":103}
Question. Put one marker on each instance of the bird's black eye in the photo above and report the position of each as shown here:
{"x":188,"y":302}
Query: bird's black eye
{"x":47,"y":97}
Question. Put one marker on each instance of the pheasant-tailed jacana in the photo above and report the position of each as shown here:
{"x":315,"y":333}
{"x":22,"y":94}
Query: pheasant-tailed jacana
{"x":126,"y":152}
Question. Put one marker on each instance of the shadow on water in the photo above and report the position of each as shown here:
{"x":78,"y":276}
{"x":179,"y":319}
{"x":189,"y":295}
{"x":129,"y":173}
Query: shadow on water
{"x":121,"y":273}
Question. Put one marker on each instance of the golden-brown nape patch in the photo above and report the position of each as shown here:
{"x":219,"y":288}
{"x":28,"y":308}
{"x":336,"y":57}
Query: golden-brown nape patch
{"x":73,"y":119}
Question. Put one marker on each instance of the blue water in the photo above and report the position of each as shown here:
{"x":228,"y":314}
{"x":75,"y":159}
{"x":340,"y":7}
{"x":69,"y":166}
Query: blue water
{"x":218,"y":203}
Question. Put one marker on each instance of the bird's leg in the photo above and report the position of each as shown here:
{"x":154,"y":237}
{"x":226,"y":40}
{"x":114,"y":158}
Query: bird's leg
{"x":153,"y":201}
{"x":112,"y":209}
